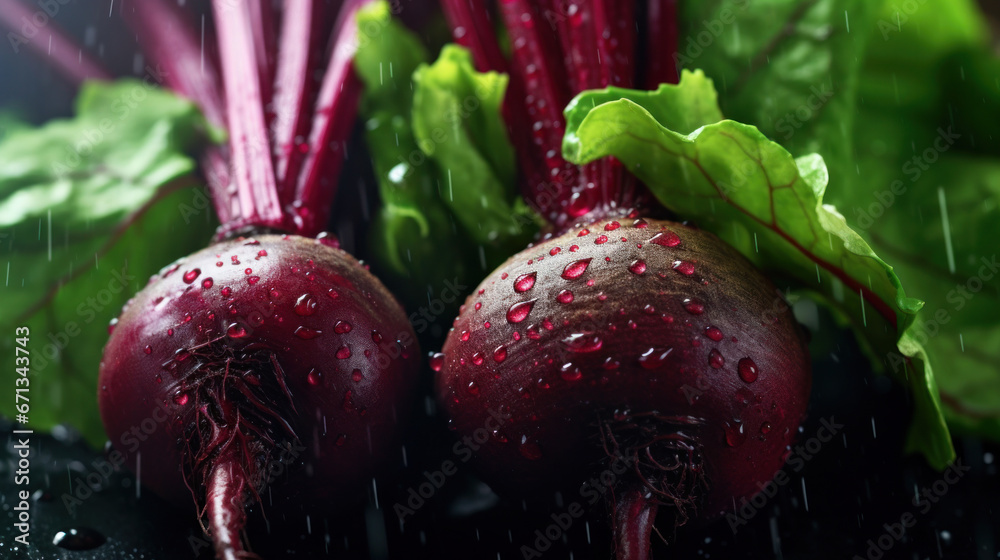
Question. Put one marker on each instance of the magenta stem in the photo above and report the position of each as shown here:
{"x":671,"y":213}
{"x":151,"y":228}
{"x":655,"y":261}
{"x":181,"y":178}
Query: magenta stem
{"x":294,"y":90}
{"x":471,"y":27}
{"x":332,"y":122}
{"x":226,"y":496}
{"x":662,"y":43}
{"x":633,"y":517}
{"x":249,"y":138}
{"x":49,"y":42}
{"x":172,"y":42}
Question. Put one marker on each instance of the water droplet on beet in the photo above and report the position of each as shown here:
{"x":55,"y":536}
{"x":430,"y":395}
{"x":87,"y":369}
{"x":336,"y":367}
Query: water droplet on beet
{"x":583,"y":343}
{"x":765,"y":428}
{"x":666,"y":239}
{"x":305,"y":333}
{"x":500,"y":354}
{"x":341,"y":440}
{"x":148,"y":350}
{"x":226,"y":291}
{"x":261,"y":253}
{"x":344,"y":352}
{"x":747,"y":370}
{"x":328,"y":239}
{"x":314,"y":377}
{"x":207,"y":283}
{"x":714,"y":333}
{"x":533,"y":333}
{"x":236,"y":330}
{"x":715,"y":359}
{"x":694,"y":306}
{"x":478,"y":306}
{"x":79,"y":538}
{"x":170,"y":332}
{"x":611,"y":364}
{"x":486,"y":325}
{"x":601,"y":240}
{"x":529,"y":449}
{"x":305,"y":305}
{"x":735,"y":434}
{"x":473,"y":388}
{"x":111,"y":325}
{"x":654,"y":358}
{"x":575,"y":269}
{"x":357,"y":376}
{"x":612,"y":226}
{"x":464,"y":337}
{"x":478,"y":359}
{"x":637,"y":267}
{"x":342,"y":327}
{"x":376,"y":337}
{"x":524,"y":282}
{"x":683,"y":267}
{"x":519,"y":311}
{"x":574,"y":248}
{"x":253,"y":280}
{"x":583,"y":232}
{"x":640,"y":224}
{"x":437,"y":361}
{"x":570,"y":372}
{"x":191,"y":275}
{"x":218,"y":263}
{"x":181,"y":398}
{"x":565,"y":296}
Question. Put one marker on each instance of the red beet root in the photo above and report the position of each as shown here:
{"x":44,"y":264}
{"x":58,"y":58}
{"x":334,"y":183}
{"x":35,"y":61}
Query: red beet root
{"x":673,"y":355}
{"x":250,"y":351}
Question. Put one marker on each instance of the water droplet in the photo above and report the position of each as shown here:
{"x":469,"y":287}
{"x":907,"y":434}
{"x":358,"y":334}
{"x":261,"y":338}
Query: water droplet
{"x":357,"y":376}
{"x":715,"y":359}
{"x":111,"y":325}
{"x":611,"y":364}
{"x":478,"y":359}
{"x":574,"y":248}
{"x":533,"y":333}
{"x":683,"y":267}
{"x":79,"y":538}
{"x":583,"y":232}
{"x":601,"y":240}
{"x":735,"y":435}
{"x":334,"y":294}
{"x":236,"y":330}
{"x":464,"y":337}
{"x":314,"y":377}
{"x":654,"y":357}
{"x":218,"y":263}
{"x":342,"y":327}
{"x":555,"y":251}
{"x":547,"y":324}
{"x":637,"y":267}
{"x":640,"y":224}
{"x":437,"y":361}
{"x":248,"y":271}
{"x":486,"y":325}
{"x":519,"y":311}
{"x":341,"y":440}
{"x":344,"y":352}
{"x":305,"y":333}
{"x":530,"y":450}
{"x":226,"y":291}
{"x":583,"y":343}
{"x":570,"y":372}
{"x":666,"y":239}
{"x":575,"y":269}
{"x":765,"y":428}
{"x":478,"y":306}
{"x":747,"y":370}
{"x":714,"y":333}
{"x":524,"y":282}
{"x":148,"y":349}
{"x":328,"y":239}
{"x":305,"y":305}
{"x":261,"y":253}
{"x":253,"y":280}
{"x":207,"y":283}
{"x":500,"y":354}
{"x":376,"y":337}
{"x":181,"y":398}
{"x":612,"y":226}
{"x":694,"y":306}
{"x":348,"y":401}
{"x":565,"y":296}
{"x":158,"y":379}
{"x":170,"y":332}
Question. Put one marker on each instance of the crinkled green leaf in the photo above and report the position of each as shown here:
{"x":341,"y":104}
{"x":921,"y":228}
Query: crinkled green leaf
{"x":734,"y":181}
{"x":458,"y":124}
{"x":85,"y":208}
{"x":788,"y":67}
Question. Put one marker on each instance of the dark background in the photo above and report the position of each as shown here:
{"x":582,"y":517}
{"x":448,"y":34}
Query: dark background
{"x":844,"y":496}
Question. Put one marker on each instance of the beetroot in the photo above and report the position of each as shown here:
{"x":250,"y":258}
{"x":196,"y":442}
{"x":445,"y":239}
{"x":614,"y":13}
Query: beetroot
{"x":653,"y":343}
{"x":264,"y":352}
{"x":644,"y":348}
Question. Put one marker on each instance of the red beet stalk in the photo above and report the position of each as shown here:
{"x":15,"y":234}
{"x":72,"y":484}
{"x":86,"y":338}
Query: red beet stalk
{"x":33,"y":28}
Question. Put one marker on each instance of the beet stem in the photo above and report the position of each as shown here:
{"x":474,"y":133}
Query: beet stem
{"x":171,"y":41}
{"x":249,"y":138}
{"x":226,"y":500}
{"x":662,"y":43}
{"x":294,"y":89}
{"x":54,"y":46}
{"x":633,"y":516}
{"x":333,"y":120}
